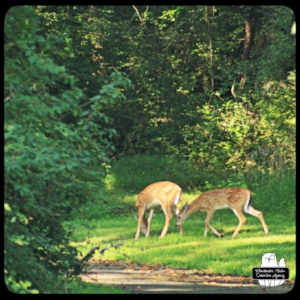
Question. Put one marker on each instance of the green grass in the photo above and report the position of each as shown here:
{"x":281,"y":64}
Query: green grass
{"x":191,"y":250}
{"x":98,"y":223}
{"x":134,"y":173}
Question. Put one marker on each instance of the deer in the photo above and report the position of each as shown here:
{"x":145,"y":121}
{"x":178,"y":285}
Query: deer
{"x":163,"y":193}
{"x":237,"y":199}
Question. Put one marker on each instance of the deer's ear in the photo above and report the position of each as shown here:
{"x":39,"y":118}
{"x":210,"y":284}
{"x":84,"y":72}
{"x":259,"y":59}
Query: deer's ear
{"x":185,"y":207}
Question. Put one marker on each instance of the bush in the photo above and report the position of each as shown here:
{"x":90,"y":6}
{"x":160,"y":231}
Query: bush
{"x":277,"y":192}
{"x":136,"y":172}
{"x":52,"y":143}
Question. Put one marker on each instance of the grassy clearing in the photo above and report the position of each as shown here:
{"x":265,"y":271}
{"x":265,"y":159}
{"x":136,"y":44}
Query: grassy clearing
{"x":191,"y":250}
{"x":99,"y":222}
{"x":133,"y":173}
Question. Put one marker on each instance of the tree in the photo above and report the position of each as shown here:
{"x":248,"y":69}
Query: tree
{"x":54,"y":144}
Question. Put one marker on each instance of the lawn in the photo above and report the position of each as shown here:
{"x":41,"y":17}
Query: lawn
{"x":192,"y":250}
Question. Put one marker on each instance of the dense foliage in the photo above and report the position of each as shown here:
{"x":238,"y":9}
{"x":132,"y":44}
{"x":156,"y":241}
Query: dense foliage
{"x":55,"y":141}
{"x":196,"y":71}
{"x":213,"y":86}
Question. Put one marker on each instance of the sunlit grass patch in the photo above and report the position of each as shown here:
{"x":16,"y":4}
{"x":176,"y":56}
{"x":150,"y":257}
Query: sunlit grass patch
{"x":192,"y":250}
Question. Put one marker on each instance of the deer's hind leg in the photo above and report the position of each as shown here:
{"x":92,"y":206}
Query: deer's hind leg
{"x":258,"y":214}
{"x":141,"y":212}
{"x":242,"y":220}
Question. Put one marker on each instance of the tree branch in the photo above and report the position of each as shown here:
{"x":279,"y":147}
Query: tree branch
{"x":232,"y":89}
{"x":137,"y":12}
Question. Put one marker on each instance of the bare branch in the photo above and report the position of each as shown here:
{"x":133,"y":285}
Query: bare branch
{"x":137,"y":12}
{"x":215,"y":94}
{"x":232,"y":90}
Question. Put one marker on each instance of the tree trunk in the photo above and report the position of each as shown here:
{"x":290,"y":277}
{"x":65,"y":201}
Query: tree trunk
{"x":246,"y":51}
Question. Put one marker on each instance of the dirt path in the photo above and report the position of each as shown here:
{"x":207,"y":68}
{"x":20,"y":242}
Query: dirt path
{"x":150,"y":279}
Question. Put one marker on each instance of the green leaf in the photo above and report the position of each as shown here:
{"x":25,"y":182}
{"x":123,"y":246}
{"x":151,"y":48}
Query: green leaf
{"x":7,"y":207}
{"x":97,"y":97}
{"x":13,"y":219}
{"x":19,"y":242}
{"x":32,"y":59}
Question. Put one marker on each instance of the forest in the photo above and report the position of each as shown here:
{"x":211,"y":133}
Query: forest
{"x":101,"y":101}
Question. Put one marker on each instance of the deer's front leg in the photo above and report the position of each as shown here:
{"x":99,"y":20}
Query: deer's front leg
{"x":149,"y":222}
{"x":168,"y":215}
{"x":210,"y":213}
{"x":177,"y":211}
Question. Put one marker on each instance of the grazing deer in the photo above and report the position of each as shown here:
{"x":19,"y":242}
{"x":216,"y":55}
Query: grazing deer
{"x":164,"y":193}
{"x":237,"y":199}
